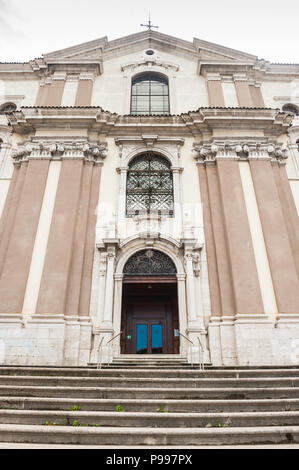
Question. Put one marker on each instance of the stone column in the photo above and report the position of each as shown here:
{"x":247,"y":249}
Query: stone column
{"x":122,"y":192}
{"x":288,"y":208}
{"x":53,"y":288}
{"x":215,"y":91}
{"x":84,"y":91}
{"x":118,"y":283}
{"x":216,"y":308}
{"x":219,"y":236}
{"x":108,"y":304}
{"x":256,"y":95}
{"x":42,"y":95}
{"x":77,"y":260}
{"x":245,"y":280}
{"x":177,"y":198}
{"x":182,"y":311}
{"x":101,"y":289}
{"x":56,"y":89}
{"x":21,"y":240}
{"x":190,"y":287}
{"x":281,"y":259}
{"x":10,"y":208}
{"x":90,"y":238}
{"x":243,"y":92}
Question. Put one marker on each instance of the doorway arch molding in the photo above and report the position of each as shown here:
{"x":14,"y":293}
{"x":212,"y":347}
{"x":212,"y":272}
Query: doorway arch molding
{"x":167,"y":246}
{"x":162,"y":152}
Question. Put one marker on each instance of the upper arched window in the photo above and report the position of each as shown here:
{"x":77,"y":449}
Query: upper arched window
{"x":150,"y":94}
{"x":149,"y":186}
{"x":291,"y":108}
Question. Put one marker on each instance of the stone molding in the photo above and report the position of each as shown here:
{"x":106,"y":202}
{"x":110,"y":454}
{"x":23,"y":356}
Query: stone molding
{"x":149,"y":140}
{"x":150,"y":61}
{"x":5,"y":142}
{"x":90,"y":152}
{"x":159,"y":131}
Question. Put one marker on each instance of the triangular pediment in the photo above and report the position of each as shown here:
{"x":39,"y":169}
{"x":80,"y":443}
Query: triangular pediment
{"x":99,"y":48}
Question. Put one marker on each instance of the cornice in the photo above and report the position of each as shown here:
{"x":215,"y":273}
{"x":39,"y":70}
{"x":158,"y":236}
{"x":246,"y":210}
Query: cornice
{"x":200,"y":123}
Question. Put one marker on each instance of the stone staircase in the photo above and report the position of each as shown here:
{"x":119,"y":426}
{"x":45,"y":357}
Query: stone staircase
{"x":149,"y":402}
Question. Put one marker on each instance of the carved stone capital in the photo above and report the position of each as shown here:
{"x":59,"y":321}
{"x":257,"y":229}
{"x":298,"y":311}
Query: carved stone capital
{"x":239,"y":150}
{"x":94,"y":153}
{"x":90,"y":152}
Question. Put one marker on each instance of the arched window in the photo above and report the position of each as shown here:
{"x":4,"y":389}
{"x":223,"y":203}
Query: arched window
{"x":7,"y":108}
{"x":150,"y":94}
{"x":149,"y":186}
{"x":291,"y":108}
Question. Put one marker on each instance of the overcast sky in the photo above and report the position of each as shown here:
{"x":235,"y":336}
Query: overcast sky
{"x":266,"y":28}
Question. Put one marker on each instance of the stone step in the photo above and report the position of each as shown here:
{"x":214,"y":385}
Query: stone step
{"x":149,"y":402}
{"x":137,"y":436}
{"x":150,"y":392}
{"x":138,"y":372}
{"x":150,"y":405}
{"x":154,"y":382}
{"x":149,"y":419}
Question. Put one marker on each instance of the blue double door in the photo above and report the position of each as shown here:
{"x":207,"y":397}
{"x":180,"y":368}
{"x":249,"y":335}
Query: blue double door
{"x":149,"y":337}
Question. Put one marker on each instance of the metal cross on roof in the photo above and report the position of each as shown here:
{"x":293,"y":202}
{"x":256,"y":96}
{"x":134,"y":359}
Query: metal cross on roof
{"x":149,"y":25}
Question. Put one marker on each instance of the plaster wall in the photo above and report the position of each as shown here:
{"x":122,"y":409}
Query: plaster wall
{"x":69,"y":92}
{"x":276,"y":89}
{"x":110,"y":89}
{"x":25,"y":89}
{"x":294,"y":183}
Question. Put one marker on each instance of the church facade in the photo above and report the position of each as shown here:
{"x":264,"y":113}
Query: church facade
{"x":149,"y":198}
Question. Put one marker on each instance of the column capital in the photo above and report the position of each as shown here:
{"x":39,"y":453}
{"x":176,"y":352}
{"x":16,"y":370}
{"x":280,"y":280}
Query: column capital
{"x":177,"y":169}
{"x":240,"y":77}
{"x":122,"y":169}
{"x":242,"y":150}
{"x":87,"y":76}
{"x":213,"y":76}
{"x":55,"y":150}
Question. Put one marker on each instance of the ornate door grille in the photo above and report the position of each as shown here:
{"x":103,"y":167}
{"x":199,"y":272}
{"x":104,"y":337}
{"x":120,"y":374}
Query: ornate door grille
{"x":149,"y":263}
{"x":149,"y":186}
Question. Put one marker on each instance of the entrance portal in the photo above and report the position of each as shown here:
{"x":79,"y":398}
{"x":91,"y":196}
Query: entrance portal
{"x":150,"y":318}
{"x":150,"y":305}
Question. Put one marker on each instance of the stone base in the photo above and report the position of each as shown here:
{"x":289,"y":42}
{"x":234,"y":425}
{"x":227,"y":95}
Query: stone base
{"x":102,"y":353}
{"x":254,"y":340}
{"x":46,"y":340}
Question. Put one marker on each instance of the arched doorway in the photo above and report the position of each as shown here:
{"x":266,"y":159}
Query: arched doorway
{"x":150,"y":321}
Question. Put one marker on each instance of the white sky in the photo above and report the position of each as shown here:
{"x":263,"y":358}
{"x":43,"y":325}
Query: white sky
{"x":266,"y":28}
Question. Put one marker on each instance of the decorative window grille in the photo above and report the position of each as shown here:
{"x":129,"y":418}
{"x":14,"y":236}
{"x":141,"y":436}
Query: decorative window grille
{"x":150,"y":95}
{"x":149,"y":263}
{"x":290,"y":108}
{"x":149,"y":186}
{"x":7,"y":108}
